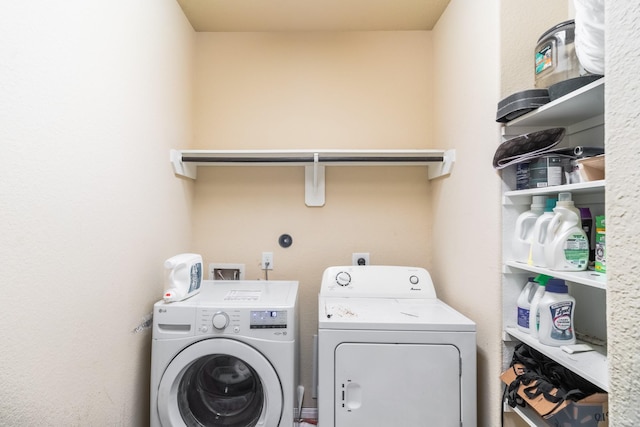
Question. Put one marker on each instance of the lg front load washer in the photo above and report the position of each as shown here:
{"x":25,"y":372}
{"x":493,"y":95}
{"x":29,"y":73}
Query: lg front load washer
{"x":390,"y":353}
{"x":227,"y":356}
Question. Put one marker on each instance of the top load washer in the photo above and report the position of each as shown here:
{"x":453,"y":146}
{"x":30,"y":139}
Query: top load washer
{"x":227,"y":356}
{"x":391,"y":353}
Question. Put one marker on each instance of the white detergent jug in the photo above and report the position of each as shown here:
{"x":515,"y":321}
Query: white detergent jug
{"x":534,"y":313}
{"x":524,"y":229}
{"x":539,"y":235}
{"x":557,"y":309}
{"x":185,"y":277}
{"x":566,"y":246}
{"x":524,"y":304}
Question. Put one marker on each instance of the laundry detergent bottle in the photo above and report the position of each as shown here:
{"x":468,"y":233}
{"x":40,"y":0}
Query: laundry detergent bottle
{"x":524,"y":229}
{"x":524,"y":305}
{"x":566,"y":245}
{"x":534,"y":314}
{"x":539,"y":235}
{"x":184,"y":277}
{"x":556,"y":315}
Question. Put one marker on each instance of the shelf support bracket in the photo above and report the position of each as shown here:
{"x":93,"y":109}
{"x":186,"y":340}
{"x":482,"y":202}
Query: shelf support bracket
{"x":188,"y":170}
{"x":443,"y":169}
{"x":314,"y":183}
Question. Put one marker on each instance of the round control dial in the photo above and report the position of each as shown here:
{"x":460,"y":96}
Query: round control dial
{"x":414,"y":280}
{"x":220,"y":320}
{"x":343,"y":278}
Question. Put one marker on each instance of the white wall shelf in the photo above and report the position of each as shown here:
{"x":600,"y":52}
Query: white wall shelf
{"x":587,"y":277}
{"x":520,"y":197}
{"x":438,"y":162}
{"x":581,"y":108}
{"x":527,"y":414}
{"x":581,"y":113}
{"x":591,"y":365}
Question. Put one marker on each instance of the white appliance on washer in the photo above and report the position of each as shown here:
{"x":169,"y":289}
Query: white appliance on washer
{"x":227,"y":356}
{"x":390,"y":353}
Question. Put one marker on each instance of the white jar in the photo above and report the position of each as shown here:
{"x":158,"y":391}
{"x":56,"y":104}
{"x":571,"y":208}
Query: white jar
{"x":556,"y":310}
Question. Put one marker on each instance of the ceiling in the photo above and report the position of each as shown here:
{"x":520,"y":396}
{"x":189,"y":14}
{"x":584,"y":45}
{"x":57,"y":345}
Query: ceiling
{"x":313,"y":15}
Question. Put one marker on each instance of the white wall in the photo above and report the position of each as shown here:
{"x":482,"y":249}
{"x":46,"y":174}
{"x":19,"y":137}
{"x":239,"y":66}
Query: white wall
{"x":93,"y":96}
{"x":622,"y":107}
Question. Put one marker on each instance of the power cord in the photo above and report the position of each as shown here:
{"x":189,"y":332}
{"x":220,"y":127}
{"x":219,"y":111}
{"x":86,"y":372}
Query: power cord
{"x":266,"y":270}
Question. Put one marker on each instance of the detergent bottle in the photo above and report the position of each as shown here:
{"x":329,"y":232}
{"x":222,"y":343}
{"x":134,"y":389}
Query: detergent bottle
{"x":556,"y":310}
{"x":524,"y":229}
{"x":539,"y":235}
{"x":534,"y":314}
{"x":566,"y":245}
{"x":524,"y":304}
{"x":184,"y":278}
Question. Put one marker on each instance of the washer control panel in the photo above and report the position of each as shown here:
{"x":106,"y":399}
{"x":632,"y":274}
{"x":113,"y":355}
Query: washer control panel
{"x":269,"y":323}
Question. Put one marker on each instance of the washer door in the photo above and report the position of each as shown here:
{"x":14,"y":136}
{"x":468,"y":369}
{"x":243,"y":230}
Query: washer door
{"x":220,"y":382}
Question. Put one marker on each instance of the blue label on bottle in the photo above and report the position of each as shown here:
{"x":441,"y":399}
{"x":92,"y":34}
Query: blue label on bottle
{"x":523,"y":317}
{"x":195,"y":277}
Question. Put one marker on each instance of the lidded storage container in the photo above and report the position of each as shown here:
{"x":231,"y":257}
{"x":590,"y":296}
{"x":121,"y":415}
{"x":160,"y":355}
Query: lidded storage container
{"x":555,"y":55}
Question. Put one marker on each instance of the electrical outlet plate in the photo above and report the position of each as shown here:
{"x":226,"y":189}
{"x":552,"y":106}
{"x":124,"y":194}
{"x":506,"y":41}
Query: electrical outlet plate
{"x":267,"y":260}
{"x":218,"y":271}
{"x":358,"y":257}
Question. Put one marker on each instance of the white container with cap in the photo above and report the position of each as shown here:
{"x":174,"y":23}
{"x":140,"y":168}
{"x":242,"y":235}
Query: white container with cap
{"x":556,"y":310}
{"x":534,"y":314}
{"x":184,"y":277}
{"x":524,"y":305}
{"x":523,"y":232}
{"x":567,"y":245}
{"x":539,"y":237}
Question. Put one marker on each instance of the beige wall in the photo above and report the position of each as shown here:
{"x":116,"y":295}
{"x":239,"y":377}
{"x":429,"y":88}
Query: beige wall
{"x":466,"y":206}
{"x":623,"y":209}
{"x":93,"y":96}
{"x":347,"y":90}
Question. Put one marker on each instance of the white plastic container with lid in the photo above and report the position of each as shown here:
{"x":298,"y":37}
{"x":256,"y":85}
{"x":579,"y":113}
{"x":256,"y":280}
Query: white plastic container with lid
{"x":185,"y":277}
{"x":524,"y":305}
{"x":539,"y":237}
{"x":523,"y":232}
{"x":557,"y":309}
{"x":534,"y":314}
{"x":566,"y":245}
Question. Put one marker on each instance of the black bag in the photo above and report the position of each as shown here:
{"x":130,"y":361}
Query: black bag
{"x":542,"y":375}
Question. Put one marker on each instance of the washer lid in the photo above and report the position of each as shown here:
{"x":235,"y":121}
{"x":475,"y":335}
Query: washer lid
{"x":244,"y":293}
{"x":390,"y":314}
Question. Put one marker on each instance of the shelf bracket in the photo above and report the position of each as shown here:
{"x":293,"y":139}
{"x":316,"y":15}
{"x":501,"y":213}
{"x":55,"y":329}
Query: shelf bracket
{"x":438,"y":170}
{"x":314,"y":183}
{"x":181,"y":168}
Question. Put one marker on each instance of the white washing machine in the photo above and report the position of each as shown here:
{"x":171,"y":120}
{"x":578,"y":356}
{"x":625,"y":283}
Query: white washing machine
{"x":390,"y":353}
{"x":227,"y":356}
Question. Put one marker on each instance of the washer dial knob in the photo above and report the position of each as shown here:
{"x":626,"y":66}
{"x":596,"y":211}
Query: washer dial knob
{"x":343,"y":278}
{"x":220,"y":320}
{"x":414,"y":280}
